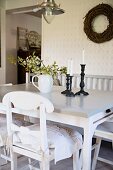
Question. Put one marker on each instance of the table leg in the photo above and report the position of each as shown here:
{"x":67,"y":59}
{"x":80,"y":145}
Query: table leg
{"x":87,"y":146}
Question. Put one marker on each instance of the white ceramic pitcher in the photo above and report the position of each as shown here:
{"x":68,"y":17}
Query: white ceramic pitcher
{"x":45,"y":82}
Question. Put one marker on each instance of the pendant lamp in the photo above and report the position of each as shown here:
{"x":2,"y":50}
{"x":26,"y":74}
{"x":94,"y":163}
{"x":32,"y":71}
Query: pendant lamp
{"x":49,"y":9}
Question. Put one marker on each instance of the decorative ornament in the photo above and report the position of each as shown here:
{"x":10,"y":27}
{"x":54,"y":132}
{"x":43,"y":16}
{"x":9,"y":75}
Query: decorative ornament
{"x":106,"y":35}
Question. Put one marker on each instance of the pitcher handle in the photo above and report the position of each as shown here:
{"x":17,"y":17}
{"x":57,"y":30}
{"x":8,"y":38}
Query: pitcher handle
{"x":33,"y":82}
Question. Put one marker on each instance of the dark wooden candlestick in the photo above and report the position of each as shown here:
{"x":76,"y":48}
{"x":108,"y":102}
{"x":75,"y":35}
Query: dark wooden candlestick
{"x":82,"y":84}
{"x":68,"y":92}
{"x":67,"y":85}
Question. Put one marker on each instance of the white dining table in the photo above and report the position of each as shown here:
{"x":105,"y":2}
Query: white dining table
{"x":86,"y":112}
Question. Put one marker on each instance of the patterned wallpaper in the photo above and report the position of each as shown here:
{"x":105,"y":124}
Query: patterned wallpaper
{"x":64,"y":38}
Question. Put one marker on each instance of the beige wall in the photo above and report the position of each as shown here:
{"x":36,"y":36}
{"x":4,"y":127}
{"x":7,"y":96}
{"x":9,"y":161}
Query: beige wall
{"x":12,"y":22}
{"x":65,"y":38}
{"x":2,"y":3}
{"x":8,"y":72}
{"x":3,"y":44}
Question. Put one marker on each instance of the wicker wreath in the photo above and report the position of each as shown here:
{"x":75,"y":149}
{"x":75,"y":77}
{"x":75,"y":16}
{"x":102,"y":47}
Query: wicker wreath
{"x":106,"y":35}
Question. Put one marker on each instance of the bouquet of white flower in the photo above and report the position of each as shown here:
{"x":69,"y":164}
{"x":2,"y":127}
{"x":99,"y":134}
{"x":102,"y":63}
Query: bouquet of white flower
{"x":31,"y":63}
{"x":34,"y":64}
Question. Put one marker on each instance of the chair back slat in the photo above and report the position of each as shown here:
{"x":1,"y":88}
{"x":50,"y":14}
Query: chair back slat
{"x":100,"y":84}
{"x":111,"y":85}
{"x":77,"y":81}
{"x":60,"y":78}
{"x":106,"y":85}
{"x":43,"y":129}
{"x":29,"y":77}
{"x":94,"y":83}
{"x":63,"y":80}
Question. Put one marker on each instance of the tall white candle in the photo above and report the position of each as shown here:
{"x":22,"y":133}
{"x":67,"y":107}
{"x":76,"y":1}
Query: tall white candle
{"x":71,"y":67}
{"x":83,"y":56}
{"x":68,"y":67}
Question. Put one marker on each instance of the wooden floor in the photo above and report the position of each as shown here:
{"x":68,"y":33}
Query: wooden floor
{"x":62,"y":165}
{"x":106,"y":152}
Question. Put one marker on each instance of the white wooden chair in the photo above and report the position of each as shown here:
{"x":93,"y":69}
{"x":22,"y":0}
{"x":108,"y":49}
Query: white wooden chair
{"x":103,"y":132}
{"x":36,"y":106}
{"x":3,"y":129}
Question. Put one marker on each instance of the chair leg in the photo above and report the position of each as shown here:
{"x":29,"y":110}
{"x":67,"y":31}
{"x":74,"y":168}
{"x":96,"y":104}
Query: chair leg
{"x":76,"y":161}
{"x":81,"y":160}
{"x":30,"y":166}
{"x":3,"y":155}
{"x":13,"y":161}
{"x":96,"y":152}
{"x":44,"y":165}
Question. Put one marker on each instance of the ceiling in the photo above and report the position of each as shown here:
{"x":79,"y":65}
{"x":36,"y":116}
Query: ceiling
{"x":23,"y":10}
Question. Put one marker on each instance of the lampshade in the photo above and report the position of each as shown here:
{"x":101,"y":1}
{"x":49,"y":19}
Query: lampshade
{"x":48,"y":16}
{"x":49,"y":9}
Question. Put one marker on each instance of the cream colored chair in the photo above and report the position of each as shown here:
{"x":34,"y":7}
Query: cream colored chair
{"x":103,"y":132}
{"x":39,"y":142}
{"x":3,"y":130}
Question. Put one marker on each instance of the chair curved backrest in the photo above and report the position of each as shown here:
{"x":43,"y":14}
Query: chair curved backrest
{"x":27,"y":101}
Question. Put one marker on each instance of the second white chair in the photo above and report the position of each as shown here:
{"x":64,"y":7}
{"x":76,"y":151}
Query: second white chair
{"x":103,"y":132}
{"x":39,"y":142}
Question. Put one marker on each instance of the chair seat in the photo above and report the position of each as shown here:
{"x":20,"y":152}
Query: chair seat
{"x":58,"y":138}
{"x":106,"y":126}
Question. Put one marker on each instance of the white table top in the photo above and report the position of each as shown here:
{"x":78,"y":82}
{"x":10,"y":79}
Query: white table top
{"x":82,"y":106}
